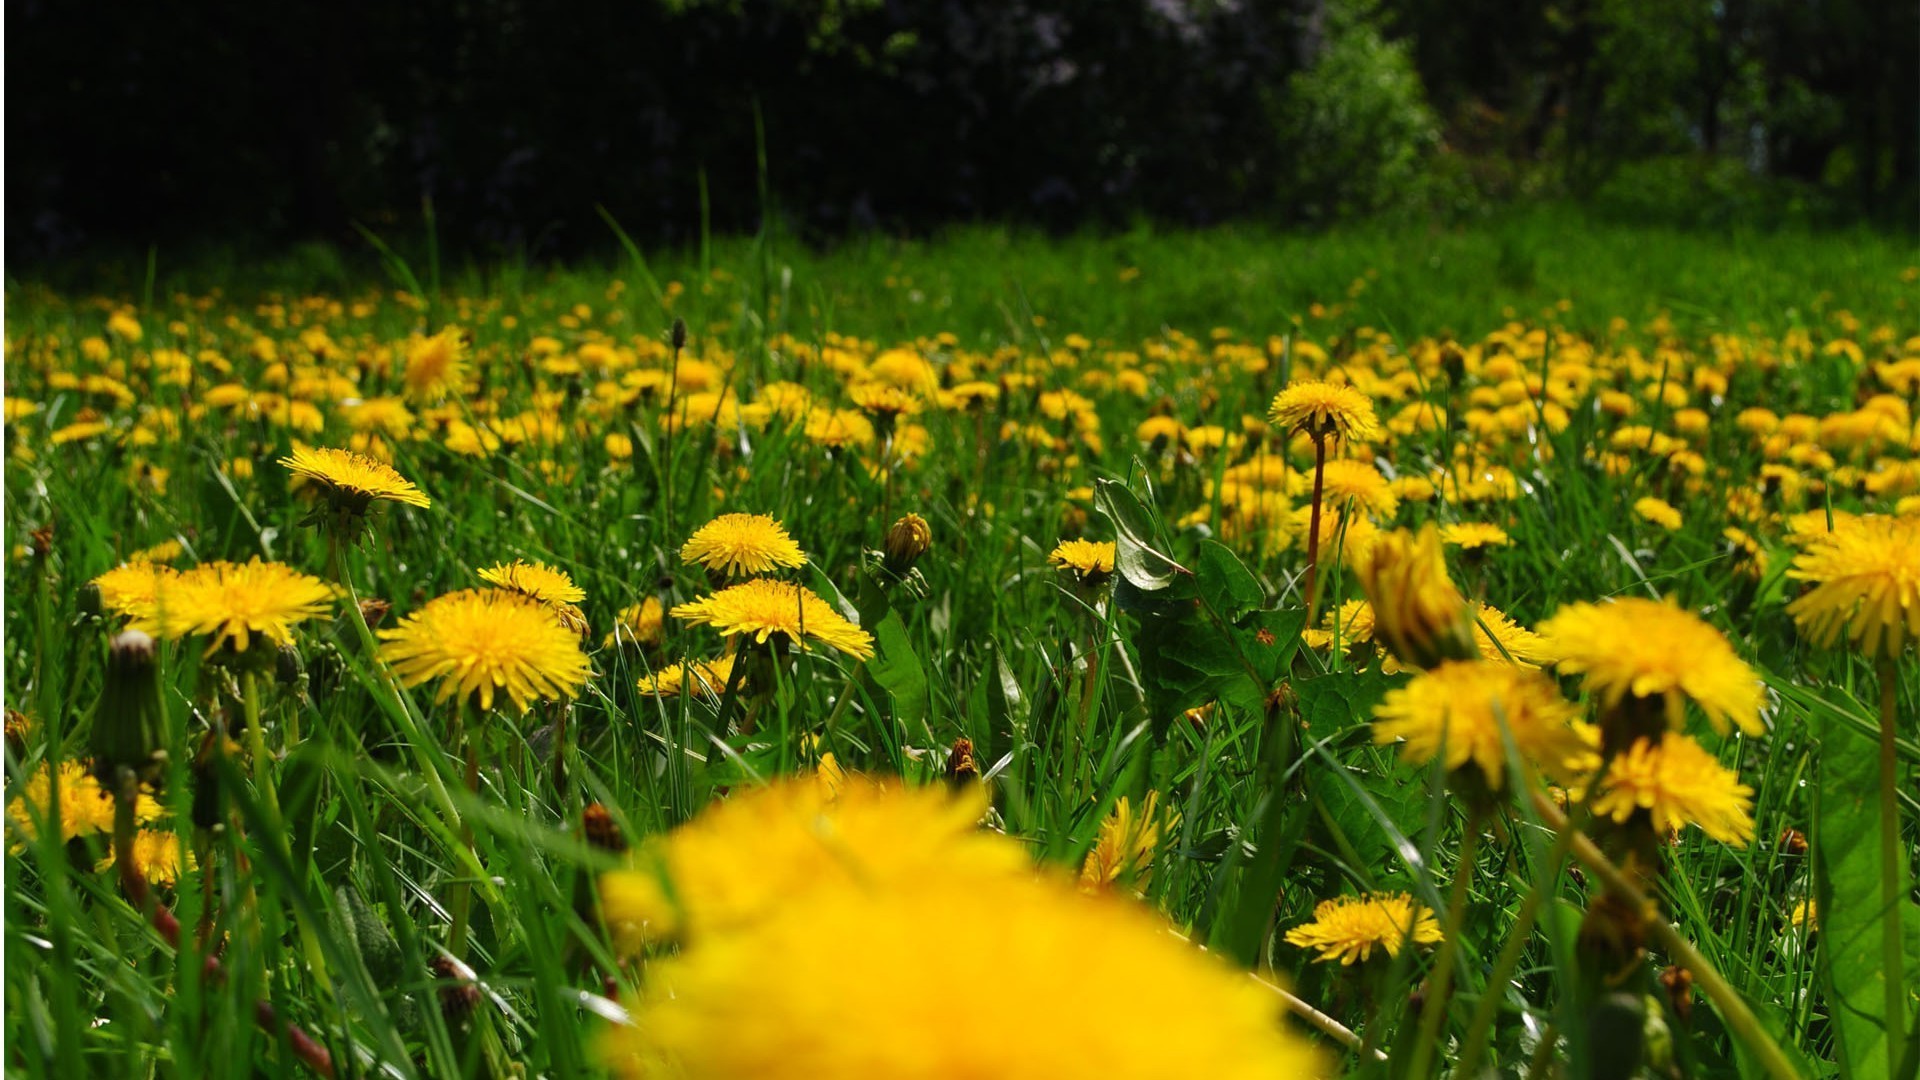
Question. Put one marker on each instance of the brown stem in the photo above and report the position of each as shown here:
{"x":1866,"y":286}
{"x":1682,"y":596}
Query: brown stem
{"x":1313,"y":522}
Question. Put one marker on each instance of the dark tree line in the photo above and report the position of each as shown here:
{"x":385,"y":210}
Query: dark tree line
{"x":141,"y":123}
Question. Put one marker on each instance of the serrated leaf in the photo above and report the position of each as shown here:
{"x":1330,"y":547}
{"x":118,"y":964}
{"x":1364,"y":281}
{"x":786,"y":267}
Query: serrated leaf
{"x":1136,"y":556}
{"x":1224,"y":581}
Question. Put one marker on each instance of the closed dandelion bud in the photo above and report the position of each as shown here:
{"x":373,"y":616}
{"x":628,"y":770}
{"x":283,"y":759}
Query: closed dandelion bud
{"x":597,"y":825}
{"x":209,"y":798}
{"x":1417,"y":611}
{"x":287,"y":666}
{"x":1793,"y":842}
{"x":679,"y":334}
{"x":17,"y":727}
{"x":374,"y":610}
{"x":907,"y":540}
{"x":89,"y":599}
{"x":1678,"y":983}
{"x":1453,"y":362}
{"x":459,"y":996}
{"x":130,"y":729}
{"x":961,"y":767}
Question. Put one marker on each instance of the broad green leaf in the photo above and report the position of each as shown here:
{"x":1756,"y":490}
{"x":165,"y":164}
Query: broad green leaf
{"x":896,"y":667}
{"x":1136,"y":556}
{"x":1225,"y":582}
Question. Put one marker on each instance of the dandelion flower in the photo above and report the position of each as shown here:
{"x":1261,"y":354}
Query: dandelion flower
{"x":435,"y":365}
{"x":1089,"y":561}
{"x":354,"y":480}
{"x":707,"y":678}
{"x":1020,"y":979}
{"x":1676,"y":783}
{"x":482,"y":643}
{"x":1866,"y":581}
{"x":229,"y":603}
{"x":1349,"y":928}
{"x":1126,"y":845}
{"x":134,"y":589}
{"x":744,"y":859}
{"x":1321,"y":409}
{"x":1653,"y":649}
{"x":156,"y":853}
{"x":1502,"y":639}
{"x":764,"y":607}
{"x":1461,"y":708}
{"x":884,"y":402}
{"x":1346,"y":481}
{"x":1417,"y":611}
{"x":641,"y":624}
{"x":1658,"y":512}
{"x":1474,"y":536}
{"x":536,"y":580}
{"x":85,"y":806}
{"x":740,"y":545}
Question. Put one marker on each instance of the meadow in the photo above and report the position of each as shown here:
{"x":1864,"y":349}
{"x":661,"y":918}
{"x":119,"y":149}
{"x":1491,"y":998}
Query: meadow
{"x":1403,"y":650}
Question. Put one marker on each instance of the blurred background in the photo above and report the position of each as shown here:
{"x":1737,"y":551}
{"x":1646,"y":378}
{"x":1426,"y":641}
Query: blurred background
{"x":261,"y":125}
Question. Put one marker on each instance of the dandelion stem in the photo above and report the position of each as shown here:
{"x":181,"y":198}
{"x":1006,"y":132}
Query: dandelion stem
{"x":1734,"y":1012}
{"x":1313,"y":522}
{"x":460,"y":902}
{"x":257,"y":746}
{"x":1440,"y":988}
{"x":1892,"y":896}
{"x":1481,"y":1026}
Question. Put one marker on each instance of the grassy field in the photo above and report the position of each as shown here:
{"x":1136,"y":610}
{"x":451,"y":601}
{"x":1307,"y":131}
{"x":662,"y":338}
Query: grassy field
{"x":428,"y":880}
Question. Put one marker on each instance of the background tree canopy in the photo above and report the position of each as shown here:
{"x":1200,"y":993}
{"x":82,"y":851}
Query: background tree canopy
{"x":132,"y":124}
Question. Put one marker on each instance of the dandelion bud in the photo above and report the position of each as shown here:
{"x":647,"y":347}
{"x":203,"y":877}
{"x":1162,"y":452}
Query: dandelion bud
{"x":89,"y":599}
{"x":597,"y":825}
{"x":679,"y":334}
{"x":17,"y":728}
{"x":1793,"y":842}
{"x":1418,"y":612}
{"x":1678,"y":983}
{"x":130,"y":729}
{"x":907,"y":540}
{"x":459,"y":997}
{"x":287,"y":666}
{"x":961,"y":768}
{"x":374,"y":610}
{"x":1453,"y":362}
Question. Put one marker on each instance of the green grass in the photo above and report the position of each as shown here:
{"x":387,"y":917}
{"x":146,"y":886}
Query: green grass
{"x":355,"y":872}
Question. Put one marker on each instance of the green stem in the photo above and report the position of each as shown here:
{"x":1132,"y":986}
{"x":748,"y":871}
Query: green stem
{"x":1480,"y":1028}
{"x":460,"y":902}
{"x":1434,"y":1009}
{"x":1734,"y":1013}
{"x":1892,"y":896}
{"x":257,"y":747}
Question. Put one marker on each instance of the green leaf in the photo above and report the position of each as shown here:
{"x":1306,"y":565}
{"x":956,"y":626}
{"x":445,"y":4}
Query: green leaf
{"x":1846,"y":853}
{"x":896,"y":667}
{"x":1224,"y":581}
{"x":1136,"y":557}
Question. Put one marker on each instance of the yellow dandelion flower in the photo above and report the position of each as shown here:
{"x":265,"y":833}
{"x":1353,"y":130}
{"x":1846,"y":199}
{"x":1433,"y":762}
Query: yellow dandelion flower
{"x":164,"y":551}
{"x":1350,"y":928}
{"x":1653,"y":649}
{"x":1089,"y":561}
{"x":481,"y":643}
{"x":1658,"y":512}
{"x":1474,"y":536}
{"x":86,"y":808}
{"x":741,"y":545}
{"x":1126,"y":845}
{"x":1321,"y":409}
{"x":229,"y":603}
{"x":764,"y":607}
{"x":744,"y":859}
{"x":1676,"y":783}
{"x":133,"y":589}
{"x":1346,"y":481}
{"x":706,"y":678}
{"x":536,"y":580}
{"x":1047,"y":983}
{"x":1417,"y":611}
{"x":1866,"y":581}
{"x":1461,"y":708}
{"x":436,"y":365}
{"x":640,"y":624}
{"x":157,"y":854}
{"x":884,"y":402}
{"x":1502,"y":639}
{"x":355,"y":479}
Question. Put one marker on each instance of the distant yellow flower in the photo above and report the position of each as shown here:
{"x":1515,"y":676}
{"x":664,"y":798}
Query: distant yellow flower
{"x":1502,"y":639}
{"x":1126,"y":846}
{"x":354,"y":479}
{"x":640,"y":624}
{"x":157,"y":854}
{"x":884,"y":402}
{"x":1021,"y":980}
{"x":763,"y":608}
{"x":1658,"y":512}
{"x":1653,"y":649}
{"x":1866,"y":580}
{"x":1089,"y":561}
{"x":85,"y":807}
{"x":436,"y":365}
{"x":536,"y":580}
{"x":229,"y":603}
{"x":1321,"y":409}
{"x":1460,"y":709}
{"x":706,"y":678}
{"x":133,"y":589}
{"x":740,"y":545}
{"x":1676,"y":783}
{"x":483,"y":643}
{"x":1474,"y":535}
{"x":1349,"y":928}
{"x":745,"y":858}
{"x":1357,"y":482}
{"x":164,"y":551}
{"x":1418,"y":613}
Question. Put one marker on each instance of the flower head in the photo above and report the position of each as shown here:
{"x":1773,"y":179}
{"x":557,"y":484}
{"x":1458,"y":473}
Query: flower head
{"x":764,"y":607}
{"x":1467,"y":709}
{"x":1125,"y":849}
{"x":707,"y":678}
{"x":1653,"y":649}
{"x":743,"y":860}
{"x":1677,"y":783}
{"x":229,"y":603}
{"x":1866,"y":581}
{"x":536,"y":580}
{"x":354,"y":481}
{"x":483,"y":643}
{"x":1089,"y":561}
{"x":641,"y":624}
{"x":1349,"y":928}
{"x":1474,"y":536}
{"x":133,"y":589}
{"x":1044,"y":982}
{"x":1658,"y":512}
{"x":85,"y":806}
{"x":1417,"y":611}
{"x":436,"y":365}
{"x":740,"y":545}
{"x":1321,"y":409}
